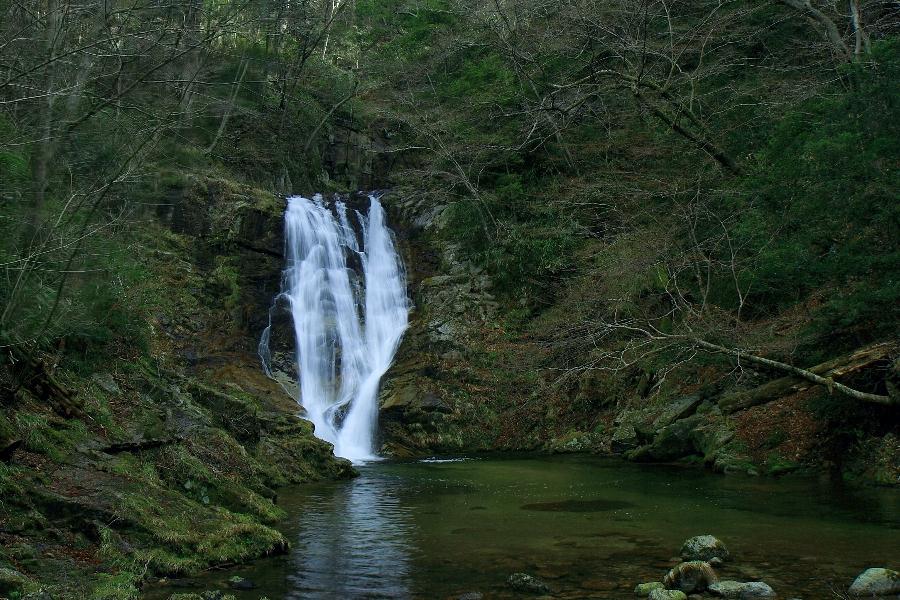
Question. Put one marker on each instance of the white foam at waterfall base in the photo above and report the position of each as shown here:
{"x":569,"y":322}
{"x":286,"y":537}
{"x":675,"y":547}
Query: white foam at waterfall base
{"x":347,"y":325}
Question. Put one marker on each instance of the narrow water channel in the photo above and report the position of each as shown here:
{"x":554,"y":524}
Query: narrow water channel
{"x":589,"y":527}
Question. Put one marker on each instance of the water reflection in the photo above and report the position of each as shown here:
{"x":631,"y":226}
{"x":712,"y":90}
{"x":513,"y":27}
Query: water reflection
{"x":589,"y":527}
{"x":353,"y":542}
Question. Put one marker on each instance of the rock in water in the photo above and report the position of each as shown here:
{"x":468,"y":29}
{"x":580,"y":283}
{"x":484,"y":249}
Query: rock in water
{"x":643,"y":589}
{"x":704,"y":547}
{"x":736,"y":590}
{"x":876,"y":582}
{"x":690,"y":576}
{"x":757,"y":590}
{"x":667,"y":595}
{"x":239,"y":583}
{"x":524,"y":582}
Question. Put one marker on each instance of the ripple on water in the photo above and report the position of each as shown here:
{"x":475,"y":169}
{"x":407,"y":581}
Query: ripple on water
{"x":354,"y":545}
{"x":595,"y":505}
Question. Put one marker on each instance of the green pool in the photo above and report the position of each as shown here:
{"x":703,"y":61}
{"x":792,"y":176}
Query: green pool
{"x":589,"y":527}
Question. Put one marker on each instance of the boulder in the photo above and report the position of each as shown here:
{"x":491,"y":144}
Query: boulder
{"x":574,"y":441}
{"x":643,"y":589}
{"x":757,"y":590}
{"x":736,"y":590}
{"x":624,"y":438}
{"x":712,"y":435}
{"x":704,"y":547}
{"x":676,"y":410}
{"x":690,"y":576}
{"x":876,"y":582}
{"x":671,"y":442}
{"x":667,"y":595}
{"x":523,"y":582}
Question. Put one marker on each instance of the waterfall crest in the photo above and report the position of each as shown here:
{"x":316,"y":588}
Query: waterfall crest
{"x":346,"y":290}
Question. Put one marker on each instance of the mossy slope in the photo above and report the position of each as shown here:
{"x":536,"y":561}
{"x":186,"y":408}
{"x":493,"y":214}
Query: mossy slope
{"x":172,"y":462}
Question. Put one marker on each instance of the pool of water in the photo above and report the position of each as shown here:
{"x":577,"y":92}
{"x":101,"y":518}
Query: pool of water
{"x":589,"y":527}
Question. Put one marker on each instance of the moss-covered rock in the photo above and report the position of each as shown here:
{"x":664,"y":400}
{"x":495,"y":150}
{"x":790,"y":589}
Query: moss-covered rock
{"x":642,"y":590}
{"x":704,"y":547}
{"x":11,"y":581}
{"x":664,"y":594}
{"x":876,"y":582}
{"x":737,"y":590}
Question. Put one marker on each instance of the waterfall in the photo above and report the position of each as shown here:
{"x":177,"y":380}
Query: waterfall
{"x":346,"y":291}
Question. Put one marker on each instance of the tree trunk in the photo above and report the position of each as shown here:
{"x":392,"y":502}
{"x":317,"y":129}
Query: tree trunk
{"x":236,"y":86}
{"x":709,"y":148}
{"x":822,"y":374}
{"x":832,"y":34}
{"x":862,"y":40}
{"x":44,"y":153}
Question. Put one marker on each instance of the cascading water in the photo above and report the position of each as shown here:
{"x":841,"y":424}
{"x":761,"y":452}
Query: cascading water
{"x":347,"y":324}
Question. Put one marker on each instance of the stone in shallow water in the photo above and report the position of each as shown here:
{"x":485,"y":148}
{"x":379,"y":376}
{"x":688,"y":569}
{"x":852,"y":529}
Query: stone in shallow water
{"x":644,"y":589}
{"x":876,"y":582}
{"x":667,"y":595}
{"x":690,"y":576}
{"x":239,"y":583}
{"x":524,"y":582}
{"x":598,"y":505}
{"x":704,"y":547}
{"x":736,"y":590}
{"x":470,"y":596}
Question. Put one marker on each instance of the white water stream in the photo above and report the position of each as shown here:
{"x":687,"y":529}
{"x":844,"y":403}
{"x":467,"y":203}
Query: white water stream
{"x":346,"y":291}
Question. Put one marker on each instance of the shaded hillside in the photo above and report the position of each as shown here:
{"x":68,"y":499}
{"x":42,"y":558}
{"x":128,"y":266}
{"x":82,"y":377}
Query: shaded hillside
{"x":625,"y":206}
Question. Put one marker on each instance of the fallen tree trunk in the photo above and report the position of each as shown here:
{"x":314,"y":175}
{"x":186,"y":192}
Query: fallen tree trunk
{"x":822,"y":374}
{"x":32,"y":374}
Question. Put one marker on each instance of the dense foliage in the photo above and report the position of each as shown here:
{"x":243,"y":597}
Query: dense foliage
{"x":554,"y":132}
{"x":697,"y":187}
{"x":108,"y":105}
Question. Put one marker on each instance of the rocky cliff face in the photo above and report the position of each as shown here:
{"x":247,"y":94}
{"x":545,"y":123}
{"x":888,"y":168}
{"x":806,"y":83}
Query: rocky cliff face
{"x":432,"y":399}
{"x":463,"y":381}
